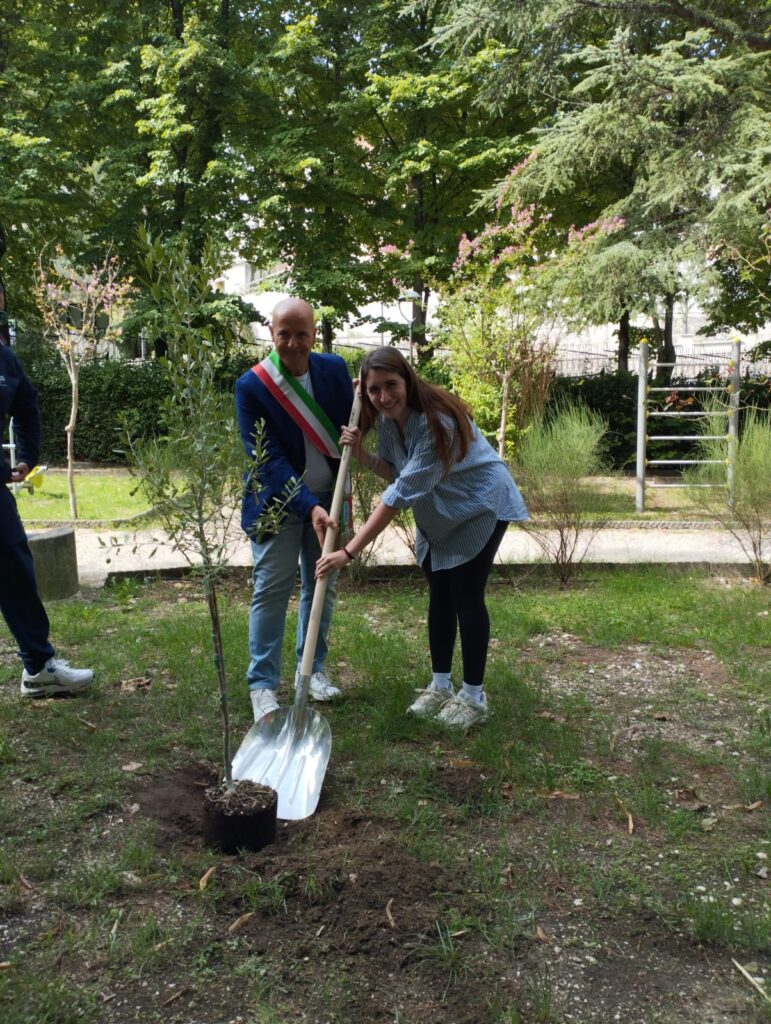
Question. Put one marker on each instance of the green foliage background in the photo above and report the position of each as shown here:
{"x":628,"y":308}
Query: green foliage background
{"x":113,"y":389}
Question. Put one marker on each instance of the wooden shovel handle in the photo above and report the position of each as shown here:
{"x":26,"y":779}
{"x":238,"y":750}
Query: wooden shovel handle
{"x":314,"y":621}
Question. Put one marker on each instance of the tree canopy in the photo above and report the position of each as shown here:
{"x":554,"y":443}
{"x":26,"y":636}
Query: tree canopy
{"x":356,"y":142}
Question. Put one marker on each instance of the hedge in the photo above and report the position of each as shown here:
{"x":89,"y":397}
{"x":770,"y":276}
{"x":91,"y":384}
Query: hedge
{"x":108,"y":391}
{"x":111,"y":389}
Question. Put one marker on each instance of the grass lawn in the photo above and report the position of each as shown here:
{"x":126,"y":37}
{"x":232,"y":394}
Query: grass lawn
{"x":103,"y":495}
{"x":597,"y":852}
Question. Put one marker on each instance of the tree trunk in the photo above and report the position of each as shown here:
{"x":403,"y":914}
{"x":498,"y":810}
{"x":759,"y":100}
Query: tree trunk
{"x":623,"y":342}
{"x":667,"y":352}
{"x":670,"y":356}
{"x":424,"y":350}
{"x":327,"y":335}
{"x":505,"y":402}
{"x":70,"y":431}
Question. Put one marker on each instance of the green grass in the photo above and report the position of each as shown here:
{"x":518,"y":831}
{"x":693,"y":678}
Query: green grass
{"x":104,"y":496}
{"x":530,"y":812}
{"x":108,"y":496}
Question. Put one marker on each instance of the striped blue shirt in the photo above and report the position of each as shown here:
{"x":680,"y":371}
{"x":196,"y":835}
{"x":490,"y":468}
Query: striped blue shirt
{"x":455,"y":513}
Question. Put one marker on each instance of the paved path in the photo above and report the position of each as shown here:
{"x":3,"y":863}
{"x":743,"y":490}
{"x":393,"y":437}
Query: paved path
{"x":617,"y":545}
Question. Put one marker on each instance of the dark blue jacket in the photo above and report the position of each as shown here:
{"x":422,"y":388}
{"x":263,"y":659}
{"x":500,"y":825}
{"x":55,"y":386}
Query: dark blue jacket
{"x":18,"y":398}
{"x":332,"y":389}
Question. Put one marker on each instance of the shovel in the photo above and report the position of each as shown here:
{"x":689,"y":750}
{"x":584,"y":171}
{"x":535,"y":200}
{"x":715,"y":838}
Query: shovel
{"x":288,"y":749}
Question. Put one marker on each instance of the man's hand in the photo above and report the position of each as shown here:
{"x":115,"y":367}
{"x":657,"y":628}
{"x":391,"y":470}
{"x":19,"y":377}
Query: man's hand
{"x":321,"y":520}
{"x":19,"y":473}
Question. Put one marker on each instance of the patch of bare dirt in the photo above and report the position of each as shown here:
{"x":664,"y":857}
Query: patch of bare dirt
{"x":350,"y":928}
{"x":649,"y":694}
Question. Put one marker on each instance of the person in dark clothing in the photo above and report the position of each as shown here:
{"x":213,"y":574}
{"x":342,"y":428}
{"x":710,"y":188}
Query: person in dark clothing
{"x":44,"y":674}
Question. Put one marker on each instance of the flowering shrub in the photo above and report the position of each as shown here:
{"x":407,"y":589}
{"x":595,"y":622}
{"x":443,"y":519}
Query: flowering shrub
{"x":499,"y":327}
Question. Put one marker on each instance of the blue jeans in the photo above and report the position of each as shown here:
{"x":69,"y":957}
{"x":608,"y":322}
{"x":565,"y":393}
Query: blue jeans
{"x":275,"y":569}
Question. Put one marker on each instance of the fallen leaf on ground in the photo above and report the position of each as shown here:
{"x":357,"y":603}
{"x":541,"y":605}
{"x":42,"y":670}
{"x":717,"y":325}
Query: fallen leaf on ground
{"x":132,"y":766}
{"x":629,"y":818}
{"x":551,"y":717}
{"x":660,"y":716}
{"x":460,"y":762}
{"x":205,"y":878}
{"x":558,"y":794}
{"x":694,"y":805}
{"x":239,"y":922}
{"x":137,"y":683}
{"x":541,"y":934}
{"x":690,"y":800}
{"x":707,"y":824}
{"x":389,"y":915}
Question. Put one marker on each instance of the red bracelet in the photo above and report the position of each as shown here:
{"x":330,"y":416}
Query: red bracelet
{"x":345,"y":549}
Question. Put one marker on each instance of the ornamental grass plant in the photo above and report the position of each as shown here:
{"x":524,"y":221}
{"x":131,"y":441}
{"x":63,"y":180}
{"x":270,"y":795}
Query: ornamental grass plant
{"x":555,"y":461}
{"x":745,"y":509}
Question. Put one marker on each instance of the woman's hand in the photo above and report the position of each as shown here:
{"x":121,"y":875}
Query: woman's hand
{"x":352,"y":437}
{"x":328,"y":563}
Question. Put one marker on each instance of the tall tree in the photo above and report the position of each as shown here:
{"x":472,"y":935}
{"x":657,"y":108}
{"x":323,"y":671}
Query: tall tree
{"x":118,"y":113}
{"x":660,"y":117}
{"x":319,"y":209}
{"x":378,"y":148}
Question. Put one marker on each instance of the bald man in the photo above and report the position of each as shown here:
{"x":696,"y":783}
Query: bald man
{"x":302,"y":398}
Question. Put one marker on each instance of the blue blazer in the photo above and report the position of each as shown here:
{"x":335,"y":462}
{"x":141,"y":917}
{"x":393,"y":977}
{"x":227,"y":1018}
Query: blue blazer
{"x":332,"y":389}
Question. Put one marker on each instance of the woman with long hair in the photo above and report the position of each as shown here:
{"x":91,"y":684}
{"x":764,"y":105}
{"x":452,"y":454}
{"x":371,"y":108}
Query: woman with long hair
{"x":462,"y":497}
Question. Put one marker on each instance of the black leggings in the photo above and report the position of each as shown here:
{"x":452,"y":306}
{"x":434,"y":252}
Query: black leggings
{"x":456,"y":599}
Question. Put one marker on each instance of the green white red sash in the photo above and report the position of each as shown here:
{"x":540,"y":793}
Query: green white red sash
{"x":297,"y":403}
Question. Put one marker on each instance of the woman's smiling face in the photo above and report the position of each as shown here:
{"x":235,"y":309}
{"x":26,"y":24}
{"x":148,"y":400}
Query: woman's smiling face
{"x":387,"y":391}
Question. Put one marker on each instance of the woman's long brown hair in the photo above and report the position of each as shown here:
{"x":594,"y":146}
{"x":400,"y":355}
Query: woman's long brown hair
{"x":422,"y":397}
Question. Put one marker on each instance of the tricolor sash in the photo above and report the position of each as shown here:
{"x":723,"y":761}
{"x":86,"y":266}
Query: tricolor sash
{"x":309,"y":417}
{"x":297,"y":403}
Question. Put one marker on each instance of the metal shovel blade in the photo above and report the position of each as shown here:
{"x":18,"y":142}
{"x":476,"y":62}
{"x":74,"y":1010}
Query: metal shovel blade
{"x":287,"y":750}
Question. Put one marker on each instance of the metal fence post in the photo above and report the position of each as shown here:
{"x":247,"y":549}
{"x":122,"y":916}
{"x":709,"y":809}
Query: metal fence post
{"x":733,"y":420}
{"x":642,"y":423}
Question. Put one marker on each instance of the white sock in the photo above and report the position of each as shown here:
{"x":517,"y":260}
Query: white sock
{"x":474,"y":693}
{"x":441,"y":681}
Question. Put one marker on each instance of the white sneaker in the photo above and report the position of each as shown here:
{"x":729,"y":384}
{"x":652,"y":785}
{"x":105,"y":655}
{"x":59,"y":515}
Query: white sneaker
{"x":56,"y":676}
{"x":430,"y":701}
{"x":321,"y":687}
{"x":461,"y":712}
{"x":263,"y":702}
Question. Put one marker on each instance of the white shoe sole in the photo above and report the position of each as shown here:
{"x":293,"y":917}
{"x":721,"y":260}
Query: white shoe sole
{"x":54,"y":689}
